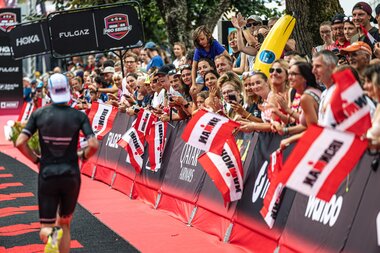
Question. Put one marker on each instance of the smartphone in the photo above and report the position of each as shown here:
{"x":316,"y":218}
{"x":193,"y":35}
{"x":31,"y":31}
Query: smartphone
{"x":232,"y":97}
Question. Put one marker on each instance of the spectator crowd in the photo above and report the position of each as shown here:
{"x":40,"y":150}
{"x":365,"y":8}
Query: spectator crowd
{"x":294,"y":95}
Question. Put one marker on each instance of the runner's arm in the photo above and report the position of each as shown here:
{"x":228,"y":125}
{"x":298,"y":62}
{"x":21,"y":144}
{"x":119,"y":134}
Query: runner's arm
{"x":22,"y":145}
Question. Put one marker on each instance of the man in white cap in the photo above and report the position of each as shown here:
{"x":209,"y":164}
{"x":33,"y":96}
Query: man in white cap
{"x":58,"y":126}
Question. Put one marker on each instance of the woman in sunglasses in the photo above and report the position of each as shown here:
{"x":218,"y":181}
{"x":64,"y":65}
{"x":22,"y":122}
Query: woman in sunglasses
{"x":278,"y":98}
{"x":303,"y":81}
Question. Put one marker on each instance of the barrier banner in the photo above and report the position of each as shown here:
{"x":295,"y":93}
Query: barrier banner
{"x":125,"y":173}
{"x":184,"y":175}
{"x":29,"y":39}
{"x":148,"y":182}
{"x":365,"y":230}
{"x":110,"y":150}
{"x":11,"y":88}
{"x":183,"y":178}
{"x":210,"y":204}
{"x":317,"y":226}
{"x":250,"y":228}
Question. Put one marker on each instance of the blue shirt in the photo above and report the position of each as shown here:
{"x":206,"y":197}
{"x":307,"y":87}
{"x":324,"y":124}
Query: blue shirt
{"x":156,"y":61}
{"x":215,"y":49}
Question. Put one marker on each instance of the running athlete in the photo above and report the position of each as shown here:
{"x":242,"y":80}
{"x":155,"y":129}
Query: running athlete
{"x":58,"y":127}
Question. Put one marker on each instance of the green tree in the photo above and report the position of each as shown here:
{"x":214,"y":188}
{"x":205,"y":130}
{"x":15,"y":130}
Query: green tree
{"x":309,"y":14}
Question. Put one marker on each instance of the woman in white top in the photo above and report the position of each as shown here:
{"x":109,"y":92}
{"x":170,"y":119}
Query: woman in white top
{"x":179,"y":50}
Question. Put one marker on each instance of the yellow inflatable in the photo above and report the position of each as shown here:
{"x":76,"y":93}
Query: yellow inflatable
{"x":274,"y":44}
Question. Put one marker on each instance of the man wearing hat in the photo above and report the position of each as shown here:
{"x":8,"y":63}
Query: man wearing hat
{"x":359,"y":55}
{"x":58,"y":126}
{"x":155,"y":58}
{"x":362,"y":18}
{"x":337,"y":27}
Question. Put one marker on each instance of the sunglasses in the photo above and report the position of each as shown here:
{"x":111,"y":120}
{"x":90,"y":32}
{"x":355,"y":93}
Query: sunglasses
{"x":254,"y":23}
{"x":172,"y":72}
{"x":185,"y":66}
{"x":278,"y":70}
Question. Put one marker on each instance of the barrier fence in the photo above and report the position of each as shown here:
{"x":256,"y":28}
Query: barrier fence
{"x":350,"y":222}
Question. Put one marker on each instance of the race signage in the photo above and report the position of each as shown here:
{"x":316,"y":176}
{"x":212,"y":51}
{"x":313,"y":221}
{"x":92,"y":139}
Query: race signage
{"x":95,"y":29}
{"x":29,"y":39}
{"x":10,"y":70}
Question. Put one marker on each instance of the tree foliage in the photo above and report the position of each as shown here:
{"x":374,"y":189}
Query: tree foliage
{"x":174,"y":20}
{"x":309,"y":15}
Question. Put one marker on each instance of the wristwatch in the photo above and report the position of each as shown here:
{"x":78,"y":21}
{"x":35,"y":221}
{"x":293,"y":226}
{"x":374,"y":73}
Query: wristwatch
{"x":186,"y":105}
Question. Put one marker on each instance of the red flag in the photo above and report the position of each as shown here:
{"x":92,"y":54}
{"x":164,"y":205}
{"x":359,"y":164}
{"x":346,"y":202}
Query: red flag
{"x":156,"y":140}
{"x":348,"y":109}
{"x":225,"y":170}
{"x":144,"y":121}
{"x":321,"y":160}
{"x":101,"y":117}
{"x":208,"y":131}
{"x":130,"y":141}
{"x":273,"y":196}
{"x":26,"y":111}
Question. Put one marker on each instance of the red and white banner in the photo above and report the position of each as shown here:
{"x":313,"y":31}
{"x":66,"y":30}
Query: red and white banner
{"x":321,"y":160}
{"x":348,"y":109}
{"x":272,"y":198}
{"x":208,"y":131}
{"x":101,"y":117}
{"x":156,"y":140}
{"x":26,"y":111}
{"x":368,"y":35}
{"x":144,"y":121}
{"x":225,"y":170}
{"x":130,"y":141}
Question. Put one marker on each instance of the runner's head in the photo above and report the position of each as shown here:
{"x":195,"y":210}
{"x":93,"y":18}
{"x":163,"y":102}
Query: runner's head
{"x":59,"y":88}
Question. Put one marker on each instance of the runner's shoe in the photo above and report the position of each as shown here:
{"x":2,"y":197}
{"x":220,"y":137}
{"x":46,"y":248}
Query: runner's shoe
{"x":52,"y":245}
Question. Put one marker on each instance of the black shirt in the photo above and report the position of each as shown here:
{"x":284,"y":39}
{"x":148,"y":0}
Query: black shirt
{"x":58,"y":130}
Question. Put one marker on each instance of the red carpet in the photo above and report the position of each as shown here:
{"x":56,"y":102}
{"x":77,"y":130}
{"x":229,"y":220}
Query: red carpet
{"x":147,"y":229}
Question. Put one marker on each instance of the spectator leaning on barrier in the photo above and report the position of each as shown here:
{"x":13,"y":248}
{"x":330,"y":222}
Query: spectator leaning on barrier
{"x":303,"y":81}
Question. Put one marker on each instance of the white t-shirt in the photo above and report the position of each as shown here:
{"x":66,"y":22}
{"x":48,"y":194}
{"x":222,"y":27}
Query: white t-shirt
{"x":158,"y":98}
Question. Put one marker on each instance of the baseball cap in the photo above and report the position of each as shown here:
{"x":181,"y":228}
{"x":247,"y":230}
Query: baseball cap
{"x":365,"y":7}
{"x":109,"y":69}
{"x":150,"y":45}
{"x":338,"y":18}
{"x":164,"y":70}
{"x":356,"y":46}
{"x":255,"y":18}
{"x":59,"y":88}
